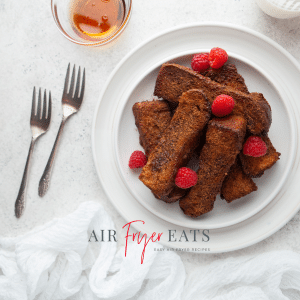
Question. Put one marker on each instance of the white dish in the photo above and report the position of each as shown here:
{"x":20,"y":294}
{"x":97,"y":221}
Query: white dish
{"x":114,"y":135}
{"x":280,"y":9}
{"x":223,"y":214}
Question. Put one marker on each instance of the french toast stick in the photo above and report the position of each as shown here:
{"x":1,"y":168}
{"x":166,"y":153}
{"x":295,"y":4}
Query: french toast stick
{"x":151,"y":119}
{"x":174,"y":79}
{"x":224,"y":139}
{"x":175,"y":194}
{"x":227,"y":75}
{"x":177,"y":143}
{"x":237,"y":184}
{"x":256,"y":166}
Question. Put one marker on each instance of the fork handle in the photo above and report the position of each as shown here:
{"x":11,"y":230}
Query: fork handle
{"x":20,"y":202}
{"x":45,"y":179}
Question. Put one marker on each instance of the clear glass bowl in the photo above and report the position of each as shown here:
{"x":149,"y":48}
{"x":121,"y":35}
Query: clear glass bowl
{"x":62,"y":17}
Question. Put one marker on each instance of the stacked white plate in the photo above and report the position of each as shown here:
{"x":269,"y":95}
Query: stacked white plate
{"x":267,"y":68}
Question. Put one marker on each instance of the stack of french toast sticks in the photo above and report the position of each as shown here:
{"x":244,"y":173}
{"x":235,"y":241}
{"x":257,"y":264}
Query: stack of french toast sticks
{"x":172,"y":130}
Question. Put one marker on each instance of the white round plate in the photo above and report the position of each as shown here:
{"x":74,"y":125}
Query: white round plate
{"x":282,"y":135}
{"x":267,"y":68}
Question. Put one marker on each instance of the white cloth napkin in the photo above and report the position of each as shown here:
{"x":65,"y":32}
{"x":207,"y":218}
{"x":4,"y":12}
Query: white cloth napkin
{"x":56,"y":261}
{"x":268,"y":276}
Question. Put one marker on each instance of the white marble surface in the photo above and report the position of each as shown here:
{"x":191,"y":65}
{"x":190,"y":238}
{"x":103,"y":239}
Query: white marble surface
{"x":34,"y":53}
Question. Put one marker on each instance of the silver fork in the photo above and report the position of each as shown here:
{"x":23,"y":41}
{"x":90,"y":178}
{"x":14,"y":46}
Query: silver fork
{"x":39,"y":124}
{"x":70,"y":105}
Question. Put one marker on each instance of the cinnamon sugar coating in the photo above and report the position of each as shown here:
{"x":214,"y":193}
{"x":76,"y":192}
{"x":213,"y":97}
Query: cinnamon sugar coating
{"x":237,"y":184}
{"x":224,"y":139}
{"x":177,"y":143}
{"x":174,"y":79}
{"x":256,"y":166}
{"x":151,"y":119}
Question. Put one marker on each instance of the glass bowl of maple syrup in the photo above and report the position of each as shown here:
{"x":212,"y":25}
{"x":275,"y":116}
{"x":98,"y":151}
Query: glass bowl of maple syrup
{"x":91,"y":22}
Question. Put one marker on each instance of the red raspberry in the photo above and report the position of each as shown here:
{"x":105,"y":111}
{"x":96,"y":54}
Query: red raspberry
{"x":186,"y":178}
{"x":255,"y":147}
{"x":222,"y":105}
{"x":217,"y":57}
{"x":200,"y":62}
{"x":137,"y":160}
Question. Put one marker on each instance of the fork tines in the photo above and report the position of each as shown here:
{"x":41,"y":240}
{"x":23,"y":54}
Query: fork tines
{"x":41,"y":112}
{"x":69,"y":91}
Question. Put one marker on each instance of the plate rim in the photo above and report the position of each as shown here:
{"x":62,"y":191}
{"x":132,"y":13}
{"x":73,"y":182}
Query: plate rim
{"x":180,"y":27}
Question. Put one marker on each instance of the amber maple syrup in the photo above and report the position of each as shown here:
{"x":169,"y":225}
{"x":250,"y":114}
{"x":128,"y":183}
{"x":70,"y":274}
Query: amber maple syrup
{"x":96,"y":19}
